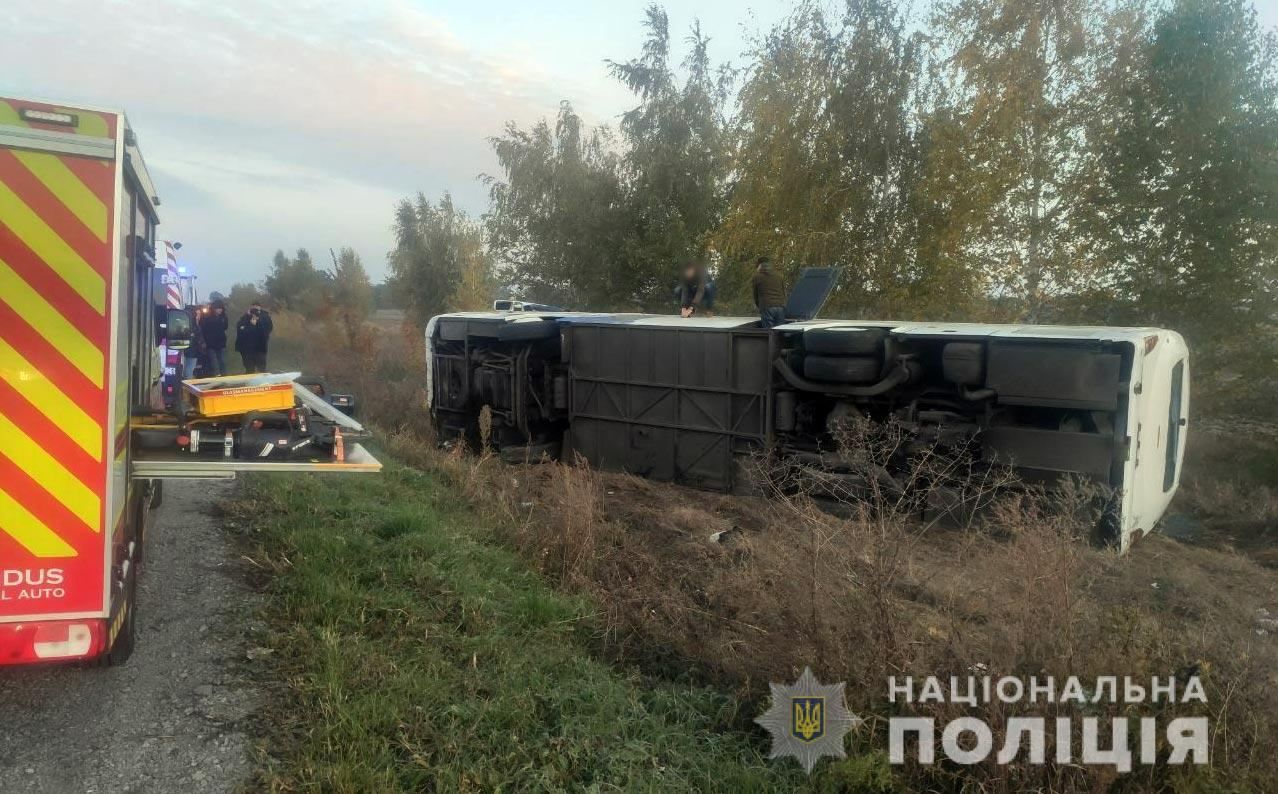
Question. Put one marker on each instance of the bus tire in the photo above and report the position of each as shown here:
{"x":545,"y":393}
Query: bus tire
{"x":530,"y":453}
{"x":845,"y":341}
{"x":528,"y":331}
{"x":842,"y":369}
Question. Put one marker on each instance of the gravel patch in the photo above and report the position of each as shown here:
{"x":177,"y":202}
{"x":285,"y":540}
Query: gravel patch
{"x":175,"y":717}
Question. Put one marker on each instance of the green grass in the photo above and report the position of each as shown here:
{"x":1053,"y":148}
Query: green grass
{"x":421,"y":655}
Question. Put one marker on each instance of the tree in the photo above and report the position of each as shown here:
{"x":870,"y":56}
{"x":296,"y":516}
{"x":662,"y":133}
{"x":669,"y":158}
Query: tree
{"x":474,"y":291}
{"x":676,"y":159}
{"x":387,"y":295}
{"x":351,"y":295}
{"x":558,"y":220}
{"x":437,"y":249}
{"x":241,"y":297}
{"x":830,"y":159}
{"x":588,"y":220}
{"x":1186,"y":195}
{"x":1023,"y":67}
{"x":297,"y":285}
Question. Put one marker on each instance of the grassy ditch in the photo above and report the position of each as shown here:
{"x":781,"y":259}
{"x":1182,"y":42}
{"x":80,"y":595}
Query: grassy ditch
{"x":729,"y":593}
{"x":740,"y":591}
{"x":417,"y":653}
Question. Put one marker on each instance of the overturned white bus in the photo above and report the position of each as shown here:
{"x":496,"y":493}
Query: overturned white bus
{"x":688,"y":400}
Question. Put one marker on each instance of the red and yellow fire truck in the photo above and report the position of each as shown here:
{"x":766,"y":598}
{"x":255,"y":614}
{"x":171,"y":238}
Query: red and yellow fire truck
{"x":78,"y":327}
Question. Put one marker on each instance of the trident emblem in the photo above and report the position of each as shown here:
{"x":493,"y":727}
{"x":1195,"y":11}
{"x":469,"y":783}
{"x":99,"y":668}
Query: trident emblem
{"x":809,"y":718}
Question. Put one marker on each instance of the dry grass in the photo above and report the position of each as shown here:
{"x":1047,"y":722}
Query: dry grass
{"x":1228,"y":497}
{"x":738,"y":591}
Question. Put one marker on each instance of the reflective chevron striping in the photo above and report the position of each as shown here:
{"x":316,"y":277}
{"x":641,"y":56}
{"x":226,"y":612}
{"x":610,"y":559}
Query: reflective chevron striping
{"x":58,"y":256}
{"x":61,"y":484}
{"x":27,"y":303}
{"x":54,"y":174}
{"x":46,"y":398}
{"x":56,"y":253}
{"x":29,"y":531}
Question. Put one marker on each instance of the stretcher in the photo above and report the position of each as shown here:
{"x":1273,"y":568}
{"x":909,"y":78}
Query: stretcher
{"x":241,"y":423}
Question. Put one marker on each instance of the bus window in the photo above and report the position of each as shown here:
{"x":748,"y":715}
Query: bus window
{"x":1174,"y":420}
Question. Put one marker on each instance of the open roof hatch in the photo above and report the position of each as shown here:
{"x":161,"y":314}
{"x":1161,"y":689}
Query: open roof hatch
{"x":810,"y":292}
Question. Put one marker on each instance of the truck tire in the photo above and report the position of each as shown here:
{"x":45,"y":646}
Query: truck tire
{"x":842,"y":369}
{"x":845,"y":341}
{"x":127,"y":639}
{"x":157,"y":494}
{"x":530,"y":453}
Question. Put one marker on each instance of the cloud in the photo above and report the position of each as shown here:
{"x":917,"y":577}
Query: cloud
{"x":279,"y":123}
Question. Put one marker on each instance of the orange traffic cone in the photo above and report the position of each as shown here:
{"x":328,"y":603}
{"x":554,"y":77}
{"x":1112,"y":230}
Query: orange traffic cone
{"x":339,"y":446}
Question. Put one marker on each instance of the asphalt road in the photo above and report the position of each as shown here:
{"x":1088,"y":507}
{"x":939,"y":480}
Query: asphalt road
{"x":172,"y":718}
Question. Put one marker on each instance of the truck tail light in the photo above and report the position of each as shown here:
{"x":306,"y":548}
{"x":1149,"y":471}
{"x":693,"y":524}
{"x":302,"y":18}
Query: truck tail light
{"x":51,"y":640}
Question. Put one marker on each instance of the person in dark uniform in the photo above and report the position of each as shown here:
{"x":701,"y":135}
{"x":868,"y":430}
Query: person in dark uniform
{"x":195,"y":351}
{"x":213,"y":326}
{"x":252,"y":335}
{"x":696,"y":290}
{"x":769,"y":296}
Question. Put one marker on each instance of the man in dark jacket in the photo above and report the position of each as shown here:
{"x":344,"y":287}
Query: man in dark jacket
{"x":252,"y":334}
{"x":769,"y":297}
{"x":195,"y":351}
{"x":696,"y":290}
{"x":213,"y":325}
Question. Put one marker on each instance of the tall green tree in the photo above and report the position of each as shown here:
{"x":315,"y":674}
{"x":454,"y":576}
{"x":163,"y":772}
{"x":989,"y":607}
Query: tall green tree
{"x":1186,"y":194}
{"x":241,"y":297}
{"x":351,"y":294}
{"x":592,"y":220}
{"x":830,"y":161}
{"x":436,"y":245}
{"x":1014,"y":149}
{"x":676,"y":158}
{"x":297,"y":285}
{"x":557,"y":221}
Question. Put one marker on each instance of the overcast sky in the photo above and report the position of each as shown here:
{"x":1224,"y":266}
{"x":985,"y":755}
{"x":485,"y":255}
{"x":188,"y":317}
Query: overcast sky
{"x":286,"y":123}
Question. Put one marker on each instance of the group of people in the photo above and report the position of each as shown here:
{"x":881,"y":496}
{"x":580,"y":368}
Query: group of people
{"x":252,"y":336}
{"x":697,"y":292}
{"x":253,"y":329}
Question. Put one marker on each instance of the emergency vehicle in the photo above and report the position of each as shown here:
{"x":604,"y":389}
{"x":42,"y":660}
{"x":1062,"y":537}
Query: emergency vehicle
{"x":78,"y":373}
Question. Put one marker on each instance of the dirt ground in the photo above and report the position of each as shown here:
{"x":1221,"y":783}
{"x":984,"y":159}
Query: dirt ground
{"x":174,"y":717}
{"x":741,"y":590}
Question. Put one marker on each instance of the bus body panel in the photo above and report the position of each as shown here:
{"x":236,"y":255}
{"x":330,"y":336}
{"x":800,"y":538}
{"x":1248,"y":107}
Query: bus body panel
{"x":1157,"y":423}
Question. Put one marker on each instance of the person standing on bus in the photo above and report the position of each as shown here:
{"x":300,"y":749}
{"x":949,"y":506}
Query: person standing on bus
{"x":252,"y":334}
{"x":769,"y":297}
{"x":213,"y":326}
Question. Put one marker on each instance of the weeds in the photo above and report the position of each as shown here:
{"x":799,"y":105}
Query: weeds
{"x":969,"y":578}
{"x":738,"y":591}
{"x":417,"y":655}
